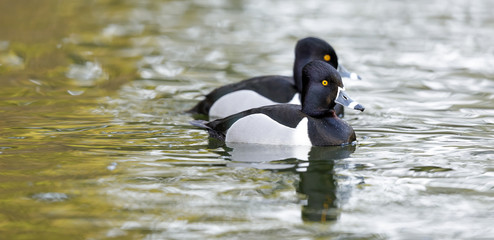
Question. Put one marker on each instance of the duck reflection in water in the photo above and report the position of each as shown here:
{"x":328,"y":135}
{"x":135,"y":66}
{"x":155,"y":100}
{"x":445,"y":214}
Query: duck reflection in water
{"x":318,"y":183}
{"x":315,"y":166}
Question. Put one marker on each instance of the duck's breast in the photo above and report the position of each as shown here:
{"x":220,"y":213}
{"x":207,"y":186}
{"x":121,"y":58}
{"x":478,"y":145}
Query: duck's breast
{"x":330,"y":132}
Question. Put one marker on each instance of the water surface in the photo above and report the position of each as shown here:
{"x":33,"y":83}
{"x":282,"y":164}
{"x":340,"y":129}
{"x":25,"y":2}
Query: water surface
{"x":94,"y":143}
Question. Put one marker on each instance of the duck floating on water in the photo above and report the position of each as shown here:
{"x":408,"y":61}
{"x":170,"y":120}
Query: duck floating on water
{"x":313,"y":123}
{"x":269,"y":90}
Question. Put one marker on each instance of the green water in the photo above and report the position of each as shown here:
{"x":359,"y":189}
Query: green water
{"x":94,"y":143}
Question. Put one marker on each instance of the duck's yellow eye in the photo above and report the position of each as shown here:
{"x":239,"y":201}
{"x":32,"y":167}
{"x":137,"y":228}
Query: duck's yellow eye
{"x":324,"y":82}
{"x":327,"y":57}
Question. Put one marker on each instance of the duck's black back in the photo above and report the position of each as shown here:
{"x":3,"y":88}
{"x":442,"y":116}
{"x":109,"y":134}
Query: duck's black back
{"x":276,"y":88}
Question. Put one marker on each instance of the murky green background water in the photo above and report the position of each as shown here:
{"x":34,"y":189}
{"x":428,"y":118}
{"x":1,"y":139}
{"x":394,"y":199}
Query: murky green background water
{"x":94,"y":144}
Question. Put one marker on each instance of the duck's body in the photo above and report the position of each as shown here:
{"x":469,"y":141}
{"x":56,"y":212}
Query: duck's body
{"x":283,"y":124}
{"x":313,"y":123}
{"x":268,"y":90}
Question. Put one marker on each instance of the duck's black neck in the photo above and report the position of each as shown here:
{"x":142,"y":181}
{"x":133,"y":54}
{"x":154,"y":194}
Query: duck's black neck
{"x":322,"y":113}
{"x":318,"y":108}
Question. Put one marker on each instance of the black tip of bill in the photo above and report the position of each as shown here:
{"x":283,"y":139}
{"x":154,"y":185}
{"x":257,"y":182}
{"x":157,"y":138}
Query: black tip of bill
{"x":359,"y":107}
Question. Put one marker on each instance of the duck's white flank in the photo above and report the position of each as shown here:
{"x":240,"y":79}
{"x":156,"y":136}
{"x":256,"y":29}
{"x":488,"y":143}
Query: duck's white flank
{"x":241,"y":100}
{"x":259,"y":128}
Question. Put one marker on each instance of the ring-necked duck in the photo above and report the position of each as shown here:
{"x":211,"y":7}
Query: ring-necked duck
{"x":268,"y":90}
{"x":312,"y":123}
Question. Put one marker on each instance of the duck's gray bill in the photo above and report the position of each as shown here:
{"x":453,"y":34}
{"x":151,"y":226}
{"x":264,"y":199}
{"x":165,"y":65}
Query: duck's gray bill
{"x":344,"y":73}
{"x":346,"y":101}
